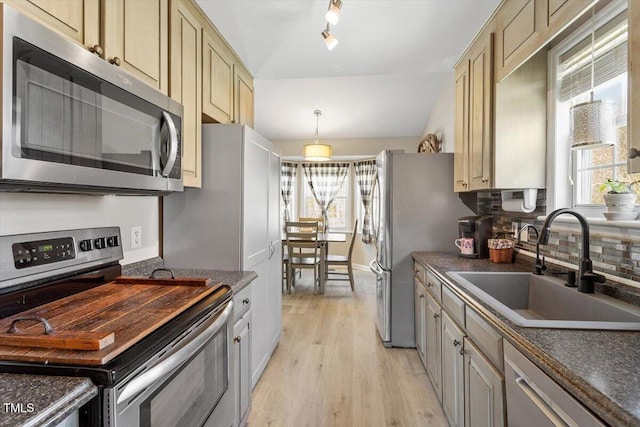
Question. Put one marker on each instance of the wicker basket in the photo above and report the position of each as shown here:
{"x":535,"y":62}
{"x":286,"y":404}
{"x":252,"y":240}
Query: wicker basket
{"x":501,"y":251}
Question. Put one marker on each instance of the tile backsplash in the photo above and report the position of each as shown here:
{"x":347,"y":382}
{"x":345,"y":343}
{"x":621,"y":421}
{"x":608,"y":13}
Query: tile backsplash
{"x":616,"y":255}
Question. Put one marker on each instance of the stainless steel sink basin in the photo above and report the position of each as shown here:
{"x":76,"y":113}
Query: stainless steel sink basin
{"x":544,"y":302}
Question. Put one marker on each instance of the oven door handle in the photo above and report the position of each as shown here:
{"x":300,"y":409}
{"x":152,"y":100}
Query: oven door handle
{"x":176,"y":356}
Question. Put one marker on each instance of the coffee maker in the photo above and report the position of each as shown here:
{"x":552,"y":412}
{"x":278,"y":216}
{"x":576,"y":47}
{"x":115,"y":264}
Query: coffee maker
{"x":479,"y":228}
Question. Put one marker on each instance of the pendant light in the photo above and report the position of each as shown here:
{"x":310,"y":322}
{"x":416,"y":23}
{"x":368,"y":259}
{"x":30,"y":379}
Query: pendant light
{"x":592,"y":123}
{"x":317,"y":152}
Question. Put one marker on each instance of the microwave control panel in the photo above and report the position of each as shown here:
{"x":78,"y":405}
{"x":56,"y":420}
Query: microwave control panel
{"x":30,"y":254}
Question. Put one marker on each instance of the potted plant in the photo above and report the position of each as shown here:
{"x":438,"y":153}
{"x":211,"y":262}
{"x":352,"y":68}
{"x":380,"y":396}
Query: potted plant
{"x":619,"y":198}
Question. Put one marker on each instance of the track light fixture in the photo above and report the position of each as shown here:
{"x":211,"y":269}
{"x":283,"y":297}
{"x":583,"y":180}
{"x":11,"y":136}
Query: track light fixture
{"x":333,"y":14}
{"x":329,"y":39}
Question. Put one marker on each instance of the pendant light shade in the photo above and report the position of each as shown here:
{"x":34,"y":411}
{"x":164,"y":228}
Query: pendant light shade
{"x":317,"y":152}
{"x":592,"y":124}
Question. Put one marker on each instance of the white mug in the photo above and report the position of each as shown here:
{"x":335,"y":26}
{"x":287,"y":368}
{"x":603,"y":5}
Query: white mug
{"x":465,"y":244}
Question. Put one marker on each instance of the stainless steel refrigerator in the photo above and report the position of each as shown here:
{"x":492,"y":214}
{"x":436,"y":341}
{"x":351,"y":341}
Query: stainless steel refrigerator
{"x":414,"y":209}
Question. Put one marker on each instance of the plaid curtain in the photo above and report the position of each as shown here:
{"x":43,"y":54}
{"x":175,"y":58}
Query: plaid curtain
{"x":325,"y":181}
{"x":366,"y":173}
{"x":287,"y":178}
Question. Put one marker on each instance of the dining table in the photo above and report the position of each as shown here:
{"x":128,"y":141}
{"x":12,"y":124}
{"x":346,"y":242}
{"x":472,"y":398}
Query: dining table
{"x":324,"y":238}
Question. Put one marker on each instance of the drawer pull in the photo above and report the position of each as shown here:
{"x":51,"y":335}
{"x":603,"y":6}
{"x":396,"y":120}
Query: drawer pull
{"x":245,"y":301}
{"x":436,"y":315}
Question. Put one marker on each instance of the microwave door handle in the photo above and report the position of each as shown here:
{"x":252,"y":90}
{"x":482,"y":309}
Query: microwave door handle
{"x":177,"y":356}
{"x":173,"y":144}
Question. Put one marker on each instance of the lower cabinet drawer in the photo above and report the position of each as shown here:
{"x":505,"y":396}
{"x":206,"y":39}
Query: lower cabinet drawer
{"x":488,"y":340}
{"x":241,"y":302}
{"x":453,"y":305}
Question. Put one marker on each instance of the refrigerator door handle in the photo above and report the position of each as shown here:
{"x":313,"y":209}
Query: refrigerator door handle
{"x":375,"y":268}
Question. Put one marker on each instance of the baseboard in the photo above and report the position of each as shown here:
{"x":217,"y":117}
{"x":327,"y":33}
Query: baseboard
{"x":361,"y":267}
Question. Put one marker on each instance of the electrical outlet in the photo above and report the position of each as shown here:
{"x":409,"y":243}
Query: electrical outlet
{"x":136,"y":237}
{"x":524,"y":235}
{"x":514,"y":229}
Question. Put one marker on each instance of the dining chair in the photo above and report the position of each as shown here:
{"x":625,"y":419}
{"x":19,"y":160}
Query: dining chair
{"x":342,"y":261}
{"x":302,"y":250}
{"x":319,"y":220}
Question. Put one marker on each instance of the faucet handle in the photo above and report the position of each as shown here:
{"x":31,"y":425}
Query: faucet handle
{"x":593,"y":277}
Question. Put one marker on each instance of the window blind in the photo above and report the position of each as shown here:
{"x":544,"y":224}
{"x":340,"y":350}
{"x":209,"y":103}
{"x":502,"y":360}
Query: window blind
{"x":610,"y":59}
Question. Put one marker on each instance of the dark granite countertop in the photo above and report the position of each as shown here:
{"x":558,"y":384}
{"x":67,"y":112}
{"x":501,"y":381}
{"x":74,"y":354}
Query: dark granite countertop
{"x":599,"y":368}
{"x":235,"y":279}
{"x":37,"y":400}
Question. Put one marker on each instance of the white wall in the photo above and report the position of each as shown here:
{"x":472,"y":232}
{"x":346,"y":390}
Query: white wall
{"x":440,"y":120}
{"x":35,"y":212}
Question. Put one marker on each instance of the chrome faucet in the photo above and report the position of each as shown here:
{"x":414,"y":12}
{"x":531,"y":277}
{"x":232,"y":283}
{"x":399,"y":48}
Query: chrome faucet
{"x":540,"y":267}
{"x":586,"y":276}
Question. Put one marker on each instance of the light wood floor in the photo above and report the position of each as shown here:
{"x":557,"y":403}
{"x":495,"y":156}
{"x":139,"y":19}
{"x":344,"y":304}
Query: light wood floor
{"x":331,"y":369}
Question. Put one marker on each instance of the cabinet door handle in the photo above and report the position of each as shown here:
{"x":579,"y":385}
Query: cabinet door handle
{"x":96,"y":49}
{"x":485,"y":179}
{"x":456,"y":343}
{"x":429,"y":285}
{"x":115,"y":61}
{"x":237,"y":339}
{"x":436,"y":315}
{"x":245,"y":301}
{"x":421,"y":295}
{"x":463,"y":352}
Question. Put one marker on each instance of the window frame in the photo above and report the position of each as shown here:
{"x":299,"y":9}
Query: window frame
{"x":561,"y":161}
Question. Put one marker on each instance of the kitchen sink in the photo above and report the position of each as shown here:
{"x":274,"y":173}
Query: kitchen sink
{"x":535,"y":301}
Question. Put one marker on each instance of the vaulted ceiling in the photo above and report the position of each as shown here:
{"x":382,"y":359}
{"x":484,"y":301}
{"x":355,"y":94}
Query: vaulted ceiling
{"x":380,"y":81}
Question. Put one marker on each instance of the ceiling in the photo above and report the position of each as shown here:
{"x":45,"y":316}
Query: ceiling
{"x":380,"y":81}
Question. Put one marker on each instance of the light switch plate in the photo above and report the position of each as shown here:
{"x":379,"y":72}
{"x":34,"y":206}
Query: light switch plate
{"x":136,"y":237}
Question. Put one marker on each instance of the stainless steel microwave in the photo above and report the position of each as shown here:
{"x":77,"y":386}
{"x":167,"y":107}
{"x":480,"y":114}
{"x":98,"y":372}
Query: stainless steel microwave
{"x":72,"y":122}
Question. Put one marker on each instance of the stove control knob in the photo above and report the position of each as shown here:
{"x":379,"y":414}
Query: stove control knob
{"x":112,"y":241}
{"x":100,"y":243}
{"x":85,"y":245}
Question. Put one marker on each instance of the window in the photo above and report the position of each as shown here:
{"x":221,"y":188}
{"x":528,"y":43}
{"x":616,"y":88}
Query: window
{"x":338,"y":213}
{"x":571,"y":83}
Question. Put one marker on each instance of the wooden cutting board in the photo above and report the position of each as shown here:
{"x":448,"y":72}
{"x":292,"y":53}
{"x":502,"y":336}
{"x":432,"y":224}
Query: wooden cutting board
{"x":130,"y":309}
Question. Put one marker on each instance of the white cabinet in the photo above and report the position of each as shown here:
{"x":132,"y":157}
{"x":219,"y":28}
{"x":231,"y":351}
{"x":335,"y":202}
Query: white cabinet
{"x":433,"y":343}
{"x":483,"y":390}
{"x":242,"y":374}
{"x":232,"y":220}
{"x":452,"y":371}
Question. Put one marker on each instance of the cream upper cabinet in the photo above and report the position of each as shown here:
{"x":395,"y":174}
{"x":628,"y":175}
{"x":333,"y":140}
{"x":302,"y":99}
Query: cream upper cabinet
{"x":217,"y":78}
{"x":461,"y":140}
{"x":77,"y":19}
{"x":135,"y":37}
{"x":560,"y":13}
{"x":473,"y":146}
{"x":243,"y":83}
{"x":185,"y":85}
{"x":480,"y":113}
{"x":519,"y":33}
